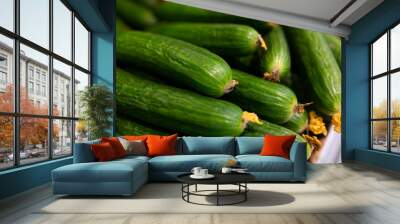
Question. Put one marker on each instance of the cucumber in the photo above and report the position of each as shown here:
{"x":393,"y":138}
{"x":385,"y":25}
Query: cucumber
{"x":275,"y":62}
{"x":177,"y":109}
{"x":184,"y":63}
{"x":335,"y":44}
{"x":272,"y":101}
{"x":298,"y":122}
{"x":126,"y":126}
{"x":319,"y":65}
{"x":173,"y":12}
{"x":268,"y":128}
{"x":151,"y":4}
{"x":121,"y":26}
{"x":222,"y":39}
{"x":137,"y":16}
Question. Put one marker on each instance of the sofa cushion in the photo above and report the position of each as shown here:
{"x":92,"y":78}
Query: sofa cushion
{"x":83,"y":152}
{"x":112,"y":171}
{"x":185,"y":163}
{"x":257,"y":163}
{"x":208,"y":145}
{"x":249,"y":145}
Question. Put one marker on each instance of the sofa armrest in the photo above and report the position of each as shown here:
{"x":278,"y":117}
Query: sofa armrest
{"x":83,"y":152}
{"x":298,"y":155}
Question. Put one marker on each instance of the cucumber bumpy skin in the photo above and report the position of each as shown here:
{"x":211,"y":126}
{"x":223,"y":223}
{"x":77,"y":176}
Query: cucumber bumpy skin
{"x":318,"y":63}
{"x":176,"y":109}
{"x":183,"y":63}
{"x":231,"y":40}
{"x":272,"y":101}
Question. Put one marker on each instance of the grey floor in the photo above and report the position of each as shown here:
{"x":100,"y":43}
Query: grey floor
{"x":377,"y":188}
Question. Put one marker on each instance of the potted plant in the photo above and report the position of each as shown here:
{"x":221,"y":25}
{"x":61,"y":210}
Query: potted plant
{"x":96,"y":103}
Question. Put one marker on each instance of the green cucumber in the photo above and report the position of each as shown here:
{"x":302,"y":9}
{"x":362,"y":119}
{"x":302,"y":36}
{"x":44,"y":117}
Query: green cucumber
{"x":319,"y":65}
{"x":222,"y":39}
{"x":272,"y":101}
{"x":126,"y":126}
{"x":335,"y":44}
{"x":275,"y":61}
{"x":152,"y":4}
{"x":173,"y":12}
{"x":136,"y":15}
{"x":121,"y":26}
{"x":268,"y":128}
{"x":298,"y":122}
{"x":184,"y":63}
{"x":176,"y":109}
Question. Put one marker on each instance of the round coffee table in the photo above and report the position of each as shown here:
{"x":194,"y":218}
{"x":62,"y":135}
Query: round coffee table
{"x":238,"y":179}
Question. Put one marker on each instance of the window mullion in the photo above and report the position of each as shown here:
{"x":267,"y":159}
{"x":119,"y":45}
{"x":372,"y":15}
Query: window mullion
{"x":389,"y":106}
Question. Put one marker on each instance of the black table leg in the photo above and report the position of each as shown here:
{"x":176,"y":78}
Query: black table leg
{"x":217,"y":194}
{"x":195,"y":188}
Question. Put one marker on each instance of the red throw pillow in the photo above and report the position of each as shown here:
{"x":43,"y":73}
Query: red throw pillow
{"x":103,"y":152}
{"x":135,"y":137}
{"x":277,"y":145}
{"x":116,"y":145}
{"x":161,"y":145}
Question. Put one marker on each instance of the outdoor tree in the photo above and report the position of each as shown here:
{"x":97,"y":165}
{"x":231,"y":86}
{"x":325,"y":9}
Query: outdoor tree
{"x":33,"y":131}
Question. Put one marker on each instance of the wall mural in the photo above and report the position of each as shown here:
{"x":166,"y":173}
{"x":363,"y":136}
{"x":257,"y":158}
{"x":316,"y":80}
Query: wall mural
{"x":201,"y":73}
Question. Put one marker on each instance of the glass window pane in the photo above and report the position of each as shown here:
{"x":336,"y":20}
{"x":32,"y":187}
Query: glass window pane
{"x":379,"y":97}
{"x":395,"y":94}
{"x":62,"y":29}
{"x":7,"y":14}
{"x":81,"y":82}
{"x":379,"y":56}
{"x":33,"y":140}
{"x":34,"y":19}
{"x":395,"y":47}
{"x":6,"y":142}
{"x":379,"y":135}
{"x":395,"y":136}
{"x":81,"y":45}
{"x":62,"y":138}
{"x":62,"y":89}
{"x":6,"y":74}
{"x":81,"y":131}
{"x":34,"y":96}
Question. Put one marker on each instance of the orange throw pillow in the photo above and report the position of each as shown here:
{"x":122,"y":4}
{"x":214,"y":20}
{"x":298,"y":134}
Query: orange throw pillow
{"x":161,"y":145}
{"x":277,"y":145}
{"x":116,"y":145}
{"x":135,"y":137}
{"x":103,"y":152}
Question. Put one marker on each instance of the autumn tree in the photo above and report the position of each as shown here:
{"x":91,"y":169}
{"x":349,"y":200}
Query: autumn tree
{"x":33,"y":131}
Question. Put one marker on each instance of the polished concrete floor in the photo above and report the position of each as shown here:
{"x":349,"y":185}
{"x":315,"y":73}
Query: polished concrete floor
{"x":378,"y":189}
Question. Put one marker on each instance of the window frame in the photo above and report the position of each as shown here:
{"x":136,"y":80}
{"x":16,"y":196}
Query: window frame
{"x":16,"y":114}
{"x":388,"y":74}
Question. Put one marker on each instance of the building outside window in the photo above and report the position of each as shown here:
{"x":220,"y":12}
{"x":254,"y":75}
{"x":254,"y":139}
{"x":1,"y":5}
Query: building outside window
{"x":385,"y":92}
{"x":57,"y":128}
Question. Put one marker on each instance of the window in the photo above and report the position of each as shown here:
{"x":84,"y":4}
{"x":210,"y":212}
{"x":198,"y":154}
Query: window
{"x":385,"y":93}
{"x":6,"y":73}
{"x":7,"y":14}
{"x":48,"y":78}
{"x":30,"y":87}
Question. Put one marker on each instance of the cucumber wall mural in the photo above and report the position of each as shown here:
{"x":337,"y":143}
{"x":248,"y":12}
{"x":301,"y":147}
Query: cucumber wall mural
{"x":195,"y":72}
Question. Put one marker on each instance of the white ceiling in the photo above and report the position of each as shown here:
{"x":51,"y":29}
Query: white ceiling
{"x":330,"y":16}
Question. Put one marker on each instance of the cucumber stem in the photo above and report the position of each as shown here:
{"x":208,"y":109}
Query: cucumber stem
{"x":273,"y":76}
{"x":299,"y":108}
{"x":230,"y":86}
{"x":262,"y":43}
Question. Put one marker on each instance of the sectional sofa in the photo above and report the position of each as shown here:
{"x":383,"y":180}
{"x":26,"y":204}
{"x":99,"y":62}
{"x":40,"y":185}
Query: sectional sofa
{"x":125,"y":176}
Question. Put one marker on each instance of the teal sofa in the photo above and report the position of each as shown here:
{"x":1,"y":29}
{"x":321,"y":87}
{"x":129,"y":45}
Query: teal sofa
{"x":125,"y":176}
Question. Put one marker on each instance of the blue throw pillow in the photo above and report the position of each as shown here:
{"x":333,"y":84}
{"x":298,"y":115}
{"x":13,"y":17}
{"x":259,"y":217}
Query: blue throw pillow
{"x":208,"y":145}
{"x":249,"y":145}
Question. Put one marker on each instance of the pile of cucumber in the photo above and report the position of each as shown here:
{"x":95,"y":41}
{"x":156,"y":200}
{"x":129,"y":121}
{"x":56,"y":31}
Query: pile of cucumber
{"x":196,"y":72}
